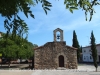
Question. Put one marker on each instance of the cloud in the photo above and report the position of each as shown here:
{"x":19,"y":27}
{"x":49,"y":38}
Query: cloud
{"x":77,"y":21}
{"x":59,"y":17}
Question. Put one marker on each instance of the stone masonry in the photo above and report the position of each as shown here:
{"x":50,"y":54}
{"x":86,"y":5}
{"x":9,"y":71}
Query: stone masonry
{"x":55,"y":54}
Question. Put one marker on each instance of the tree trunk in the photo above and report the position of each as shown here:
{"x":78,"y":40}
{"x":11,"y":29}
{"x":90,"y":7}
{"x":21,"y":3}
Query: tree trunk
{"x":9,"y":62}
{"x":9,"y":65}
{"x":96,"y":69}
{"x":1,"y":61}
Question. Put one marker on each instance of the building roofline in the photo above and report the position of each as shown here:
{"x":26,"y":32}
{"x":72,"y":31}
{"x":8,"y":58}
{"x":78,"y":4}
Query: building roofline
{"x":90,"y":46}
{"x":71,"y":47}
{"x":37,"y":47}
{"x":66,"y":46}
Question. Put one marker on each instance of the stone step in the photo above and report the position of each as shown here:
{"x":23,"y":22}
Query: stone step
{"x":61,"y":68}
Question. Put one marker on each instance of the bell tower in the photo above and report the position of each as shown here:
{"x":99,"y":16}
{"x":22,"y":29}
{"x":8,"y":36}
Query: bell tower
{"x":58,"y":37}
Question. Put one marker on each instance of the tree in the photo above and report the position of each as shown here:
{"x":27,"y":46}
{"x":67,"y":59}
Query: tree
{"x":76,"y":44}
{"x":10,"y":10}
{"x":81,"y":54}
{"x":13,"y":23}
{"x":35,"y":45}
{"x":94,"y":50}
{"x":81,"y":49}
{"x":8,"y":49}
{"x":86,"y":5}
{"x":15,"y":48}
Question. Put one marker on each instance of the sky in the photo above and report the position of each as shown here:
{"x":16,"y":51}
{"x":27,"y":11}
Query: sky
{"x":41,"y":28}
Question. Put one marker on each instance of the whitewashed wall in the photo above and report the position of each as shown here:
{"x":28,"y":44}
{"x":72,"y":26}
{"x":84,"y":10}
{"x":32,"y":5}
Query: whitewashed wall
{"x":86,"y":51}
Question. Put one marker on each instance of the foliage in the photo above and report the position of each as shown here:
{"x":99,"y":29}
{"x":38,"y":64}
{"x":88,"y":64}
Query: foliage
{"x":14,"y":24}
{"x":81,"y":49}
{"x":35,"y":45}
{"x":17,"y":27}
{"x":86,"y":5}
{"x":10,"y":10}
{"x":76,"y":44}
{"x":94,"y":50}
{"x":16,"y":48}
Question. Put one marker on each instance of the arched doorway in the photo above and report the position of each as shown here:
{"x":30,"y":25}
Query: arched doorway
{"x":61,"y":61}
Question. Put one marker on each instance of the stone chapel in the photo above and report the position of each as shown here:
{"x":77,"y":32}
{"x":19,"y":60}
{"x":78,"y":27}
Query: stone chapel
{"x":56,"y":54}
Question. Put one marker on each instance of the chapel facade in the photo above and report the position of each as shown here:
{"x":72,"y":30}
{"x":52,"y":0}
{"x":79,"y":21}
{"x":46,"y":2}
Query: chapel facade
{"x":56,"y":54}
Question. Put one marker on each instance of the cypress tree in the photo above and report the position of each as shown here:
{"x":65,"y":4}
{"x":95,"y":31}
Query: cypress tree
{"x":94,"y":50}
{"x":81,"y":49}
{"x":76,"y":44}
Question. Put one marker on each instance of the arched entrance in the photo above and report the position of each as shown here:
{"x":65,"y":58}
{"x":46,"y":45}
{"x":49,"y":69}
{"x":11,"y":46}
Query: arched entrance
{"x":61,"y":61}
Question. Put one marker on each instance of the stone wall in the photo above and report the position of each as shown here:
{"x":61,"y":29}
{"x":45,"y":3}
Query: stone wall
{"x":46,"y":57}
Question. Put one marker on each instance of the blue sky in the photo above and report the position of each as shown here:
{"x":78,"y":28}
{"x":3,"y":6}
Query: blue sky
{"x":41,"y":28}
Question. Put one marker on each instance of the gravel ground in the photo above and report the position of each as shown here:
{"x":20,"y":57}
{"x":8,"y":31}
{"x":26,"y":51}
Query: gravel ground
{"x":82,"y":70}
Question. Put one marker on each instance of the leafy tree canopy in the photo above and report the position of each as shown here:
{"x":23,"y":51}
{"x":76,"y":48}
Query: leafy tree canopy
{"x":16,"y":48}
{"x":86,"y":5}
{"x":14,"y":24}
{"x":10,"y":9}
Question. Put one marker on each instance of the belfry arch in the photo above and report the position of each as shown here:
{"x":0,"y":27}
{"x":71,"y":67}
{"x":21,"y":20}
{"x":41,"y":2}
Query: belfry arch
{"x":60,"y":36}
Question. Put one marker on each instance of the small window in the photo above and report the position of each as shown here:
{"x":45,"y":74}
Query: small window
{"x":89,"y":50}
{"x":84,"y":57}
{"x":90,"y":57}
{"x":84,"y":50}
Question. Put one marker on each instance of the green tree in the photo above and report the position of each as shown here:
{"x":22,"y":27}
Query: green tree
{"x":8,"y":49}
{"x":14,"y":49}
{"x":35,"y":45}
{"x":81,"y":49}
{"x":94,"y":50}
{"x":13,"y":23}
{"x":10,"y":11}
{"x":76,"y":44}
{"x":85,"y":5}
